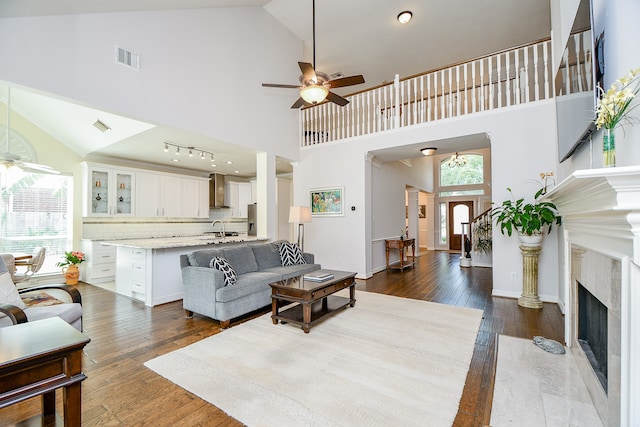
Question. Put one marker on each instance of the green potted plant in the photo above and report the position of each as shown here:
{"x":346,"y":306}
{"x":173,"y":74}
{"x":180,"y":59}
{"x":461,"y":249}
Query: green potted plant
{"x":527,"y":219}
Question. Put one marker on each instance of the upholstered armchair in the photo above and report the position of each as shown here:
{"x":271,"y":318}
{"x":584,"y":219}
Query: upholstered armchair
{"x":20,"y":306}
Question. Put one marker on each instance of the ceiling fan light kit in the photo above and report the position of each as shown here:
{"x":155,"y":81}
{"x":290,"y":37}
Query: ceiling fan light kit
{"x":315,"y":85}
{"x":313,"y":94}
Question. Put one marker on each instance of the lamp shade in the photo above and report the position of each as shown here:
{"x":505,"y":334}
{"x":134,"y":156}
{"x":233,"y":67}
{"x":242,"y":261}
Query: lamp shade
{"x":313,"y":94}
{"x":299,"y":214}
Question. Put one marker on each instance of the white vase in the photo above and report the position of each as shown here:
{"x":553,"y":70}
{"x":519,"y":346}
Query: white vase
{"x":533,"y":240}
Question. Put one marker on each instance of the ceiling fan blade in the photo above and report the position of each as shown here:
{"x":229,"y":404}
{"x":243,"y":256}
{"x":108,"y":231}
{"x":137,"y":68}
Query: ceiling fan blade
{"x":346,"y":81}
{"x":38,"y":167}
{"x":337,"y":99}
{"x":281,"y":86}
{"x":299,"y":103}
{"x":308,"y":72}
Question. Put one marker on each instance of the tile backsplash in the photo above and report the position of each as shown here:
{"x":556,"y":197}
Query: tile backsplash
{"x":137,"y":228}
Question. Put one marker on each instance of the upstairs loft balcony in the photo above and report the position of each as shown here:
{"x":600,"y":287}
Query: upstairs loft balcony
{"x":500,"y":80}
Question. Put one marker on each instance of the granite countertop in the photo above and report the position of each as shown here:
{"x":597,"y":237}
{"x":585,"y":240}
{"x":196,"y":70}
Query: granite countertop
{"x":179,"y":241}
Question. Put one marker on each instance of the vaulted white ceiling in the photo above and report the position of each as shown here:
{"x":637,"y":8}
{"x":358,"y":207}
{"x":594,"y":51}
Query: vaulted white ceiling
{"x":352,"y":37}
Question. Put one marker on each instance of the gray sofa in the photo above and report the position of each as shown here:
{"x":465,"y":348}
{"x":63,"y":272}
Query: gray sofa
{"x":256,"y":264}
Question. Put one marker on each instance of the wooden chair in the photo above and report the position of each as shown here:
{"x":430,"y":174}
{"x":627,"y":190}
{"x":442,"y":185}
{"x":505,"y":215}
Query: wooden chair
{"x":14,"y":309}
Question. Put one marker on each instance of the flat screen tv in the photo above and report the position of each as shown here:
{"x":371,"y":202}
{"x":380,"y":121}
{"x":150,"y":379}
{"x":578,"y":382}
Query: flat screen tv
{"x":576,"y":84}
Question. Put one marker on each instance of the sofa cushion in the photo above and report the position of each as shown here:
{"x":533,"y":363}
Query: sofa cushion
{"x":267,"y":254}
{"x":241,"y":259}
{"x":70,"y":313}
{"x":221,"y":264}
{"x":247,"y":284}
{"x":203,"y":257}
{"x":290,"y":254}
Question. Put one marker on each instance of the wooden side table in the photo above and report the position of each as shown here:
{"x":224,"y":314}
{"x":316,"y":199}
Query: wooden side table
{"x":400,"y":244}
{"x":38,"y":357}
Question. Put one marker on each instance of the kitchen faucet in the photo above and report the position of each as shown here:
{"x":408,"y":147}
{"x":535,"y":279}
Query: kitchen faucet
{"x":213,"y":224}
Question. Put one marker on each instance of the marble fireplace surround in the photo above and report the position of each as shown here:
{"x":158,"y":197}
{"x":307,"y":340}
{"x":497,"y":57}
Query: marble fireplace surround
{"x":600,"y":211}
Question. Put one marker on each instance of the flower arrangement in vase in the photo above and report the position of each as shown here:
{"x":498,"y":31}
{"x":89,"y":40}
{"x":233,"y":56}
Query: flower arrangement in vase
{"x":612,"y":110}
{"x":70,"y":266}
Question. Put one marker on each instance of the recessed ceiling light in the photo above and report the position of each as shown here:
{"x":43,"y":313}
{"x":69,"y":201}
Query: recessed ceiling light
{"x":166,"y":147}
{"x":177,"y":151}
{"x":229,"y":162}
{"x":236,"y":171}
{"x":175,"y":160}
{"x":405,"y":16}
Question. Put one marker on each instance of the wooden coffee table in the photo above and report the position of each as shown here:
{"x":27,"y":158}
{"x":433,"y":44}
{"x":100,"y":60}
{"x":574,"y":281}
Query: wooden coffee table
{"x":313,"y":300}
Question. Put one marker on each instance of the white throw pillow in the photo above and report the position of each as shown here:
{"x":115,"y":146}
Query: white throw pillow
{"x":8,"y":292}
{"x":221,"y":264}
{"x":290,"y":254}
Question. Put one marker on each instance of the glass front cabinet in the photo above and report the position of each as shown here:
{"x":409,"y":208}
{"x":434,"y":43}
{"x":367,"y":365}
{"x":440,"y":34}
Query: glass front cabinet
{"x":109,"y":192}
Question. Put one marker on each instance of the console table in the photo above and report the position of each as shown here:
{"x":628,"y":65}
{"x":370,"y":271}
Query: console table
{"x":400,"y":244}
{"x":38,"y":357}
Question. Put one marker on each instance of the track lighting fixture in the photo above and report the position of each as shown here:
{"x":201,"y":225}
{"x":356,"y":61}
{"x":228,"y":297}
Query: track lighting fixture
{"x":189,"y":149}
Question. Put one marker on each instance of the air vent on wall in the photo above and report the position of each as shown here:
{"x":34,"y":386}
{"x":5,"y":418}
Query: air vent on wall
{"x":127,"y":58}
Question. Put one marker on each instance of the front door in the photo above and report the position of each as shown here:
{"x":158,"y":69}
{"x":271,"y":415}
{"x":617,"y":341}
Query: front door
{"x":459,"y":212}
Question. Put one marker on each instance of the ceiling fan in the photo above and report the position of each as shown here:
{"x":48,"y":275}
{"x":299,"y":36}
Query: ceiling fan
{"x":314,"y":85}
{"x":9,"y":159}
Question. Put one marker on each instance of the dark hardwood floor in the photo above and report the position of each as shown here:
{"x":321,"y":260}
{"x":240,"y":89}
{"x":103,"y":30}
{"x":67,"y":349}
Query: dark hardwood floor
{"x":124,"y":334}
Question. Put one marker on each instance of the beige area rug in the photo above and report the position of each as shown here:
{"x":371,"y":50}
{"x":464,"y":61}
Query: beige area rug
{"x":534,"y":388}
{"x":388,"y":361}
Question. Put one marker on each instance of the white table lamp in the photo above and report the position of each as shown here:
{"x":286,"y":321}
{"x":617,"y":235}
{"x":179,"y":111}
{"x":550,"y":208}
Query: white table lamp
{"x":300,"y":215}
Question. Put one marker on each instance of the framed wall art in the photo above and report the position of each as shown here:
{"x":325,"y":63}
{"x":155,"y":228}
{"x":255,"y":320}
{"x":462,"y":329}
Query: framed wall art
{"x":327,"y":201}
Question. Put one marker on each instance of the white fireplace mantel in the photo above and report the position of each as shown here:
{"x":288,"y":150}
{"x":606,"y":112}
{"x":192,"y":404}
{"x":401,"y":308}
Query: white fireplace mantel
{"x":600,"y":210}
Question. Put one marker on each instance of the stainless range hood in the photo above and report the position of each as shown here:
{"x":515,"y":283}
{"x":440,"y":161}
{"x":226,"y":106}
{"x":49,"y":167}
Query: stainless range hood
{"x":216,"y":191}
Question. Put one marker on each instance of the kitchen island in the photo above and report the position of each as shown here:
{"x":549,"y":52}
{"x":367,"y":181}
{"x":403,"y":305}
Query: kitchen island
{"x":149,"y":269}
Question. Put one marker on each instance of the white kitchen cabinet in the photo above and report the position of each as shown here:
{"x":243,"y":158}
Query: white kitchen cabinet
{"x":100,"y":264}
{"x":237,"y":196}
{"x":108,"y":191}
{"x":147,"y":195}
{"x":131,"y":272}
{"x":158,"y":195}
{"x":195,"y":198}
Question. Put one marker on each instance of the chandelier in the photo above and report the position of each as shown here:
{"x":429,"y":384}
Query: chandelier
{"x":457,"y":161}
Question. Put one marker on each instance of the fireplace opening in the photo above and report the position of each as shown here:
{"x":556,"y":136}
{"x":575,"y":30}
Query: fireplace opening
{"x":592,"y":332}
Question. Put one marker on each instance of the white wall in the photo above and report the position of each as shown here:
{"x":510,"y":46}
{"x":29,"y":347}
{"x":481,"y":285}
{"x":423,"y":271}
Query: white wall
{"x":522,"y":145}
{"x":201,"y":69}
{"x":619,"y":21}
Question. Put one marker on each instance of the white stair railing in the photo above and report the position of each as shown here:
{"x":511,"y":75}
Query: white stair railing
{"x":500,"y":80}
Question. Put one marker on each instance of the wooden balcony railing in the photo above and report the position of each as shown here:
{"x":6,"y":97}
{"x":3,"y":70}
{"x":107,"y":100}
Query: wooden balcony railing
{"x":503,"y":79}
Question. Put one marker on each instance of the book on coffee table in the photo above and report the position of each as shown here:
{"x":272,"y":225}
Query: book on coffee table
{"x":318,"y":276}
